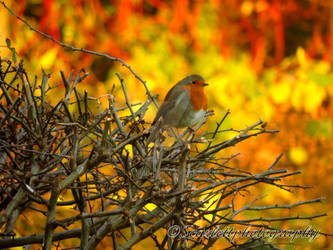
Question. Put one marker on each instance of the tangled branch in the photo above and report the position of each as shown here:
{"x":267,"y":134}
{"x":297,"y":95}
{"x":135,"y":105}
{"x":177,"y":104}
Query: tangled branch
{"x":117,"y":182}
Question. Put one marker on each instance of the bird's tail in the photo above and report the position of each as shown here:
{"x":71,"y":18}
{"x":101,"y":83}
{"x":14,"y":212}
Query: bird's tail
{"x":154,"y":131}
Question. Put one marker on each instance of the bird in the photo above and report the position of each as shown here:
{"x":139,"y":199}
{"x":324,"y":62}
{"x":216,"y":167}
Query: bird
{"x":184,"y":105}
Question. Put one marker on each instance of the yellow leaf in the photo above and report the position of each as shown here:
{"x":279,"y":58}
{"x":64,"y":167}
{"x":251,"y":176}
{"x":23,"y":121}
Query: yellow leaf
{"x":307,"y":95}
{"x":48,"y":58}
{"x":314,"y":96}
{"x":150,"y":206}
{"x":301,"y":57}
{"x":280,"y":92}
{"x":297,"y":96}
{"x":298,"y":155}
{"x":247,"y":8}
{"x":129,"y":149}
{"x":266,"y":109}
{"x":208,"y":204}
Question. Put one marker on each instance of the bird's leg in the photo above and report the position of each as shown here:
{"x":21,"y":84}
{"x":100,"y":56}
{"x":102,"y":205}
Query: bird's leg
{"x":169,"y":132}
{"x":174,"y":133}
{"x":178,"y":136}
{"x":191,"y":136}
{"x":161,"y":136}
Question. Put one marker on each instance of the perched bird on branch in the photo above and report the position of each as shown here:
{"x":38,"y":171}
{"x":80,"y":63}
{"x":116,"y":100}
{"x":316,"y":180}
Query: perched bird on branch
{"x":184,"y":106}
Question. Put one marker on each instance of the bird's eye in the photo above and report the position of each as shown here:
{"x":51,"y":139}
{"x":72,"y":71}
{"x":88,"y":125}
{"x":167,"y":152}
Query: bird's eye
{"x":193,"y":82}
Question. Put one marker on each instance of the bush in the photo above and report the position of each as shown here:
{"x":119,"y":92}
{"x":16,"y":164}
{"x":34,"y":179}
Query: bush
{"x":92,"y":175}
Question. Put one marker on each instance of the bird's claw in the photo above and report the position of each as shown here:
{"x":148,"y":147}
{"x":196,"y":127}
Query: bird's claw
{"x":209,"y":113}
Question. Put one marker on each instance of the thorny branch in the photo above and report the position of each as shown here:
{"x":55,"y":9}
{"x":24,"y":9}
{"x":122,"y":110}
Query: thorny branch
{"x":103,"y":160}
{"x":46,"y":149}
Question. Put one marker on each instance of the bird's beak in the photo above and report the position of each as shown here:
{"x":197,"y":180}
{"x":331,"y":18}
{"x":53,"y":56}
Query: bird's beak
{"x":202,"y":83}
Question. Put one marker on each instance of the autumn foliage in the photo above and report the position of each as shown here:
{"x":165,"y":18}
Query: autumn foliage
{"x":263,"y":59}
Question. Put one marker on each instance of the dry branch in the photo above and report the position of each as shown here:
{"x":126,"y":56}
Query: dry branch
{"x":103,"y":160}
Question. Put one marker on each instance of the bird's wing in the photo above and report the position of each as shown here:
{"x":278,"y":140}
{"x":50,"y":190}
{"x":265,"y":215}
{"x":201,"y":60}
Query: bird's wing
{"x":165,"y":106}
{"x":173,"y":98}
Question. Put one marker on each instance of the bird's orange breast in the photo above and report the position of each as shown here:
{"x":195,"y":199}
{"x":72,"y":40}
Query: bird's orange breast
{"x":197,"y":96}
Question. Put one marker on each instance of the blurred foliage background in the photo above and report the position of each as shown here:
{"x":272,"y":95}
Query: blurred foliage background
{"x":266,"y":59}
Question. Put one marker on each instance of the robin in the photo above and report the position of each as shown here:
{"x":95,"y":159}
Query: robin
{"x":184,"y":106}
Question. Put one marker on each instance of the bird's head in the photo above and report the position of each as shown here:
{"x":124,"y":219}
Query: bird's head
{"x":193,"y":80}
{"x":195,"y":84}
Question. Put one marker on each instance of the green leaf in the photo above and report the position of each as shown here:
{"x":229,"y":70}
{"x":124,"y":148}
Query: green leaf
{"x":8,"y":42}
{"x":14,"y":55}
{"x":316,"y":128}
{"x":321,"y":79}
